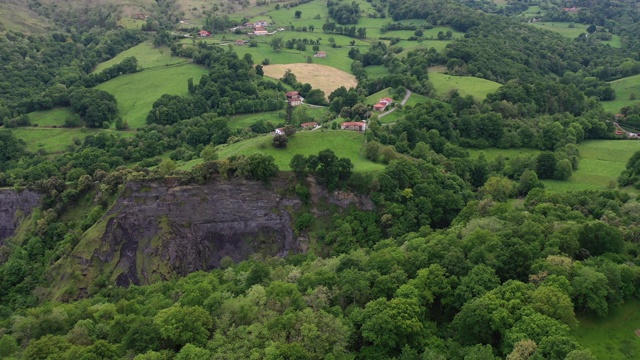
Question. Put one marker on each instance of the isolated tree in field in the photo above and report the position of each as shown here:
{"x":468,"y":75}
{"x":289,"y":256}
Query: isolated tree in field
{"x":298,"y":14}
{"x":280,"y":141}
{"x":591,"y":29}
{"x":311,"y":28}
{"x":259,"y":70}
{"x":276,"y":43}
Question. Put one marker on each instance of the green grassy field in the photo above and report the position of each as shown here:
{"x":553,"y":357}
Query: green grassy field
{"x":563,"y":29}
{"x":375,"y":97}
{"x":613,"y":337}
{"x":466,"y":85}
{"x":148,"y":56}
{"x":601,"y":161}
{"x":624,"y":88}
{"x":343,"y":143}
{"x":55,"y":140}
{"x":18,"y":17}
{"x":276,"y":117}
{"x":53,"y":117}
{"x":407,"y":45}
{"x":376,"y":71}
{"x":137,"y":92}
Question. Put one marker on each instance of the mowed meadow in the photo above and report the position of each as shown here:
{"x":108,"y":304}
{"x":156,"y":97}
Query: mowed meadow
{"x":627,"y":93}
{"x":343,"y":143}
{"x":601,"y":162}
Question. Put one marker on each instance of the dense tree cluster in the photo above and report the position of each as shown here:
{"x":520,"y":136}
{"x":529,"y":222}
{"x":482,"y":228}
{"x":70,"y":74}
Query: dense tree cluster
{"x":344,"y":14}
{"x":420,"y":294}
{"x":37,"y":69}
{"x":525,"y":51}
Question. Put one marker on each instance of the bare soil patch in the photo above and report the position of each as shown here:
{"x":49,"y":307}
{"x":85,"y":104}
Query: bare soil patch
{"x":638,"y":332}
{"x":323,"y":77}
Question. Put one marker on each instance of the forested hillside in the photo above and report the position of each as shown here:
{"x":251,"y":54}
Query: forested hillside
{"x":166,"y":194}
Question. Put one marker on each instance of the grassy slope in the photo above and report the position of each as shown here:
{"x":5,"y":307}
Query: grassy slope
{"x":148,"y":56}
{"x":55,"y":140}
{"x":16,"y":16}
{"x":53,"y":117}
{"x":276,"y":117}
{"x":563,"y":29}
{"x":614,"y":336}
{"x":466,"y":85}
{"x":624,"y":88}
{"x":137,"y":92}
{"x":343,"y":143}
{"x":600,"y":164}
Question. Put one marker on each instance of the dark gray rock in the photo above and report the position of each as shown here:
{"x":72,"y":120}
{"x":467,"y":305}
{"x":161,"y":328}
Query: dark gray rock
{"x":14,"y":207}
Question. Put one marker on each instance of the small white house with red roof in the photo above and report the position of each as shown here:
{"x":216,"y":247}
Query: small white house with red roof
{"x":279,"y":131}
{"x":204,"y":33}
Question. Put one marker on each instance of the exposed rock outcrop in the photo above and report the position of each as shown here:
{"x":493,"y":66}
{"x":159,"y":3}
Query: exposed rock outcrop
{"x":14,"y":207}
{"x":155,"y":231}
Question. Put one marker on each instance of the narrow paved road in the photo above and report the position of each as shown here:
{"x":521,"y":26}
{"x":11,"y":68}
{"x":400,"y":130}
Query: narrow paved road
{"x":406,"y":97}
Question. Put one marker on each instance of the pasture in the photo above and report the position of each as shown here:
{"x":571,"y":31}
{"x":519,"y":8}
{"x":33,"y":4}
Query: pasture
{"x":49,"y":118}
{"x":614,"y":337}
{"x":136,"y":93}
{"x":275,"y":117}
{"x":19,"y":18}
{"x":601,"y":161}
{"x":55,"y":140}
{"x":325,"y":78}
{"x":624,"y":88}
{"x":148,"y":56}
{"x":466,"y":85}
{"x":344,"y":143}
{"x":564,"y":29}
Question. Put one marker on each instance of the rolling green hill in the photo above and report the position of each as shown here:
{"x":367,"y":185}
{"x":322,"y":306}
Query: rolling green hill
{"x":466,"y":85}
{"x":624,"y":88}
{"x":343,"y":143}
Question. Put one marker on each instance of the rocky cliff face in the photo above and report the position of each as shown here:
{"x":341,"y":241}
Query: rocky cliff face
{"x":155,"y":231}
{"x":15,"y":206}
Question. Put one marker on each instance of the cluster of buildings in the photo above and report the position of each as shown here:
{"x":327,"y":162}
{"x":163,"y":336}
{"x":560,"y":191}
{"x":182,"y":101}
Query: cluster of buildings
{"x":294,"y":98}
{"x":382,"y":104}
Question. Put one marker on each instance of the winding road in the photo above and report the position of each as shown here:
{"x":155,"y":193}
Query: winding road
{"x":406,"y":97}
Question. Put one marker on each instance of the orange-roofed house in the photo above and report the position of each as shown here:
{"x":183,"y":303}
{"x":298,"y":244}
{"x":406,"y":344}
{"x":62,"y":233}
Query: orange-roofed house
{"x":354,"y":125}
{"x":309,"y":125}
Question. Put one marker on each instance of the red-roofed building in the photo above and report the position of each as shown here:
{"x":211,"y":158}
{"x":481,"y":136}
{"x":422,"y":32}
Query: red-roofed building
{"x":309,"y":125}
{"x":294,"y":98}
{"x":280,"y":131}
{"x":354,"y":125}
{"x":259,"y":30}
{"x":571,"y":9}
{"x":320,"y":54}
{"x":204,"y":33}
{"x":382,"y":104}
